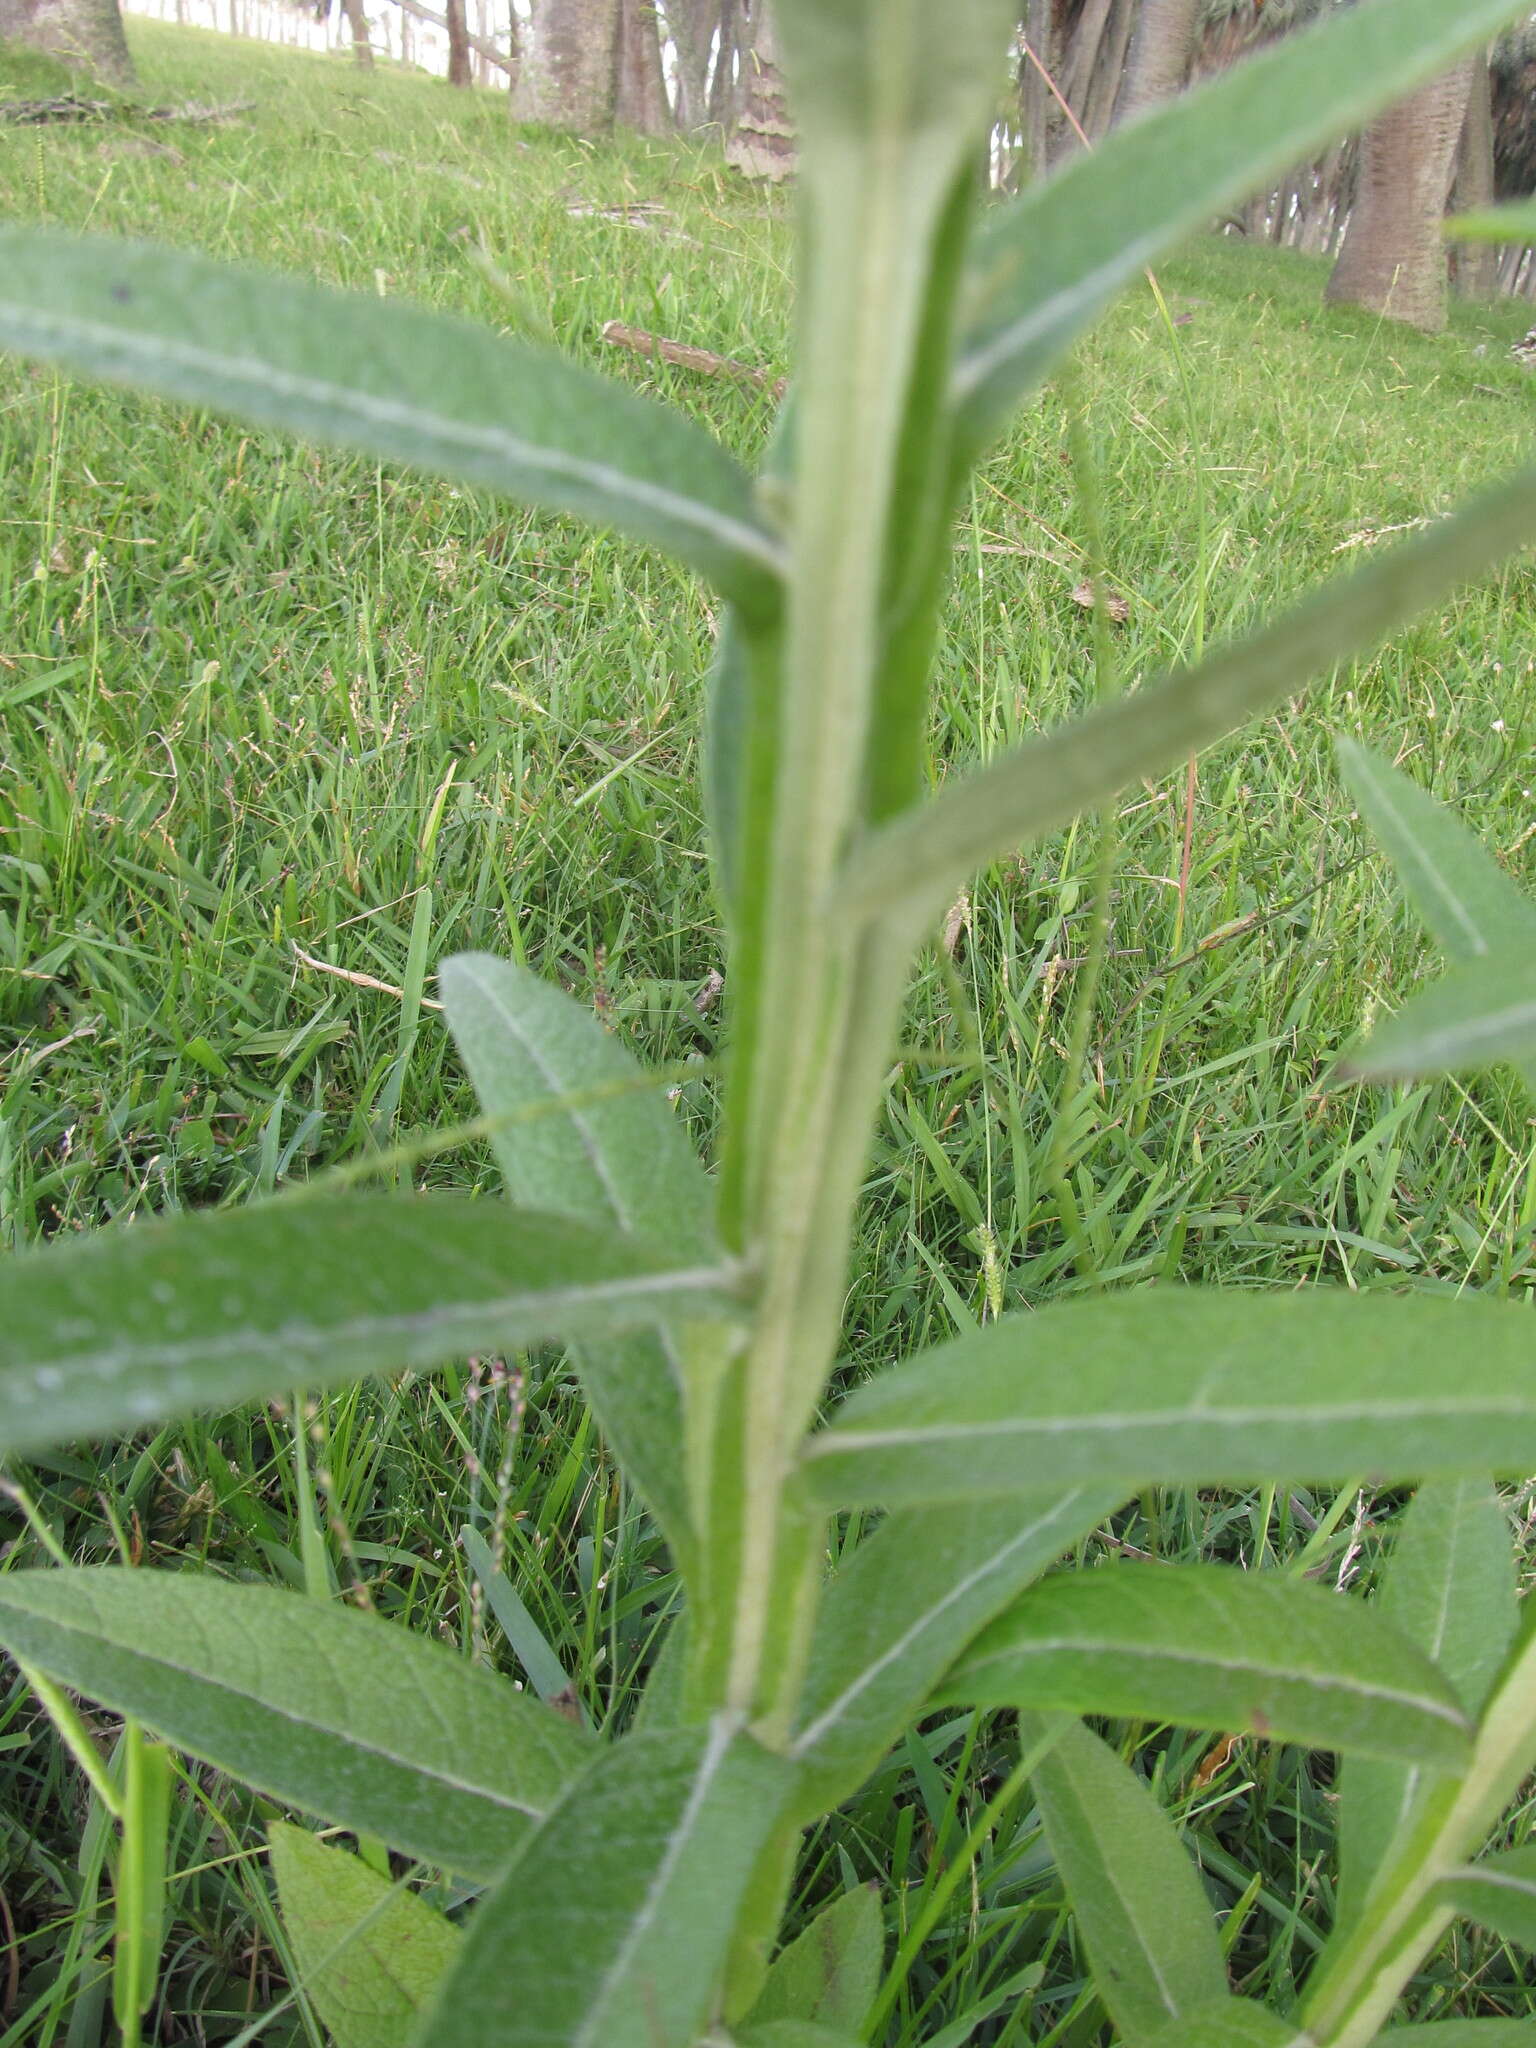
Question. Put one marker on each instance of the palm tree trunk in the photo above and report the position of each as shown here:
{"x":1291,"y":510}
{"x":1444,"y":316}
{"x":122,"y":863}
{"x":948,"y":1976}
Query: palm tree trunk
{"x":763,"y":142}
{"x":1393,"y":258}
{"x":692,"y":25}
{"x":1474,"y":265}
{"x":1165,"y":41}
{"x":568,"y":74}
{"x":640,"y":91}
{"x":357,"y":22}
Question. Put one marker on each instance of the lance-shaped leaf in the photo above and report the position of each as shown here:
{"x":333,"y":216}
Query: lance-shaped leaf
{"x":1139,"y":1904}
{"x":1192,"y":1386}
{"x":831,"y":1972}
{"x":207,"y":1310}
{"x":1450,"y":1588}
{"x":577,"y":1129}
{"x":1234,"y":2023}
{"x":903,"y":1608}
{"x":1474,"y":1017}
{"x":1048,"y":263}
{"x":1462,"y":2034}
{"x":1204,"y":1646}
{"x":795,"y":2034}
{"x":1453,"y":882}
{"x":1500,"y":1894}
{"x":1514,"y":223}
{"x":322,"y":1707}
{"x":391,"y":380}
{"x":918,"y":861}
{"x":612,"y":1928}
{"x":370,"y":1952}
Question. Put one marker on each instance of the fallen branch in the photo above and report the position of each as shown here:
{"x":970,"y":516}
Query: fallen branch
{"x":702,"y":360}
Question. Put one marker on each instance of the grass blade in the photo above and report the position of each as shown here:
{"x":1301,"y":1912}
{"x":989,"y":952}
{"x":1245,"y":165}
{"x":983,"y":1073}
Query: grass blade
{"x":614,"y":1923}
{"x":392,"y":381}
{"x":370,"y":1952}
{"x":915,"y":864}
{"x":1202,"y":1646}
{"x":321,"y":1707}
{"x":1138,"y":1902}
{"x":1046,"y":265}
{"x":1192,"y":1387}
{"x":208,"y":1310}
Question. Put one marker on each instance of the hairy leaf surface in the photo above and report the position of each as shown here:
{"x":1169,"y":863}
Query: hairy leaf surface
{"x":1208,"y":1646}
{"x":210,"y":1309}
{"x":1192,"y":1386}
{"x":324,"y":1708}
{"x":1132,"y":1886}
{"x":391,"y":380}
{"x":369,"y":1951}
{"x":614,"y":1923}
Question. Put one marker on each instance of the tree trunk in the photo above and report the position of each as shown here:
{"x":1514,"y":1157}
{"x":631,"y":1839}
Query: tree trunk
{"x":692,"y":25}
{"x":568,"y":72}
{"x":1035,"y":102}
{"x":1474,"y":265}
{"x":1393,"y":258}
{"x":1160,"y":55}
{"x":88,"y":33}
{"x":763,"y":143}
{"x":722,"y":83}
{"x":357,"y":22}
{"x":640,"y":91}
{"x":460,"y":71}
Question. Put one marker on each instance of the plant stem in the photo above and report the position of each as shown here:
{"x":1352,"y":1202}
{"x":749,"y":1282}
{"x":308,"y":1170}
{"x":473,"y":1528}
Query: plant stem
{"x":1357,"y":1989}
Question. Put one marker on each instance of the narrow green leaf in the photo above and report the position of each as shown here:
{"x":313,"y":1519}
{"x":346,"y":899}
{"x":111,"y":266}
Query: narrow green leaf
{"x":1449,"y":1588}
{"x":1047,"y":264}
{"x":391,"y":380}
{"x":370,"y":1952}
{"x":1474,"y":1017}
{"x":1232,"y":2023}
{"x":1500,"y":1894}
{"x":610,"y":1149}
{"x":322,"y":1707}
{"x":1472,"y":907}
{"x":917,"y":862}
{"x":139,"y":1884}
{"x":614,"y":1924}
{"x":1204,"y":1646}
{"x":203,"y":1311}
{"x":1463,"y":2034}
{"x":546,"y":1674}
{"x":903,"y":1608}
{"x":1139,"y":1904}
{"x":610,"y":1152}
{"x":1192,"y":1386}
{"x":795,"y":2034}
{"x":1514,"y":223}
{"x":831,"y":1972}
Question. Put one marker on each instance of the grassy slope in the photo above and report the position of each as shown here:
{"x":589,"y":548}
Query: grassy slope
{"x":255,"y":699}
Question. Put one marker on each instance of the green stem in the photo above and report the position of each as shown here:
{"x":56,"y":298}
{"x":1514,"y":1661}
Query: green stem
{"x":1358,"y":1987}
{"x":825,"y":1005}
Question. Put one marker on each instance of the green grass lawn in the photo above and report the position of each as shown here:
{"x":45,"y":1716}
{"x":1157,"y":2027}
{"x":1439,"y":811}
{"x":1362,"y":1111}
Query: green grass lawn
{"x":280,"y":730}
